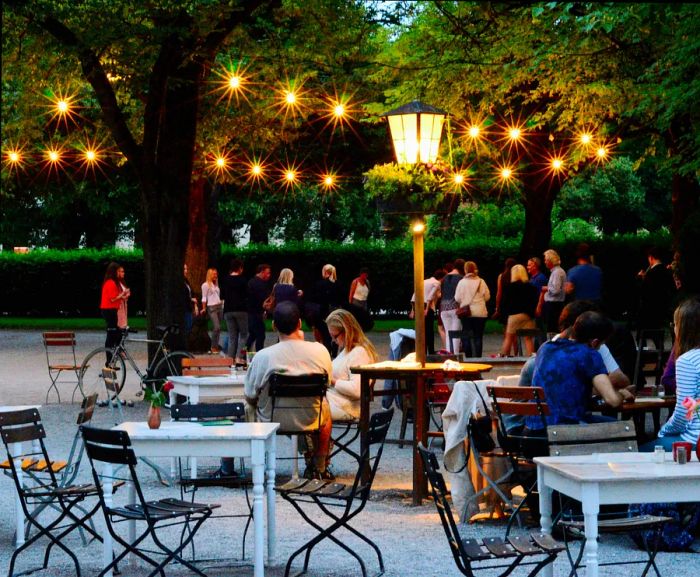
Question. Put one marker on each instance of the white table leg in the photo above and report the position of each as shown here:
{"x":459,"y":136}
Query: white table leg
{"x":107,"y":545}
{"x":271,"y":523}
{"x":173,"y":465}
{"x":545,"y":512}
{"x":15,"y":452}
{"x":258,"y":463}
{"x":194,"y":400}
{"x":295,"y":456}
{"x":591,"y":508}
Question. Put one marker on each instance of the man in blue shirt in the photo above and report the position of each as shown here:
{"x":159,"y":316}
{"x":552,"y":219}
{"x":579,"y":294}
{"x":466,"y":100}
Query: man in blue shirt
{"x":585,"y":280}
{"x":567,"y":370}
{"x":537,"y":278}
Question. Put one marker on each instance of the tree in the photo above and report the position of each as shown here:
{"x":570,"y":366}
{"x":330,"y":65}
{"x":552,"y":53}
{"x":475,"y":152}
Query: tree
{"x":149,"y":68}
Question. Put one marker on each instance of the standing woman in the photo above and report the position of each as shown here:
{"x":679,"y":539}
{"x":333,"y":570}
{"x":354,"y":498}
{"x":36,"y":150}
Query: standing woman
{"x":473,"y":292}
{"x":284,"y":289}
{"x":684,"y":425}
{"x":501,"y":313}
{"x":213,"y":306}
{"x":359,"y":290}
{"x":354,"y":349}
{"x":448,"y":304}
{"x":324,"y":299}
{"x":522,"y":300}
{"x":113,"y":300}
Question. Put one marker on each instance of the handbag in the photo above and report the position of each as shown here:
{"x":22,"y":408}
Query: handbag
{"x":269,"y":303}
{"x":480,"y":426}
{"x":464,"y":312}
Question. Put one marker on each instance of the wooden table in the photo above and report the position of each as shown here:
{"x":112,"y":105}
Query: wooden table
{"x":637,"y":411}
{"x":184,"y":439}
{"x":417,"y":377}
{"x":611,"y":479}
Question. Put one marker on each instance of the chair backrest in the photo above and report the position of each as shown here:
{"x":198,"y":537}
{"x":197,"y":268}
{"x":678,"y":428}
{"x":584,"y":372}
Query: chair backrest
{"x":368,"y":462}
{"x":59,"y":339}
{"x":25,"y":427}
{"x":109,"y":376}
{"x":440,"y":492}
{"x":208,"y":411}
{"x":207,"y":366}
{"x":59,"y":346}
{"x":612,"y":437}
{"x":510,"y":401}
{"x":298,"y":401}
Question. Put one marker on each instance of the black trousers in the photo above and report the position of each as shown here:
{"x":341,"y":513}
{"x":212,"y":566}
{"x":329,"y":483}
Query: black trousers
{"x":256,"y":331}
{"x":114,"y":333}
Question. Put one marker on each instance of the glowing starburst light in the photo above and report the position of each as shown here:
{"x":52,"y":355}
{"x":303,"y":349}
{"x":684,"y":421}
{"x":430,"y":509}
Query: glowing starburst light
{"x":339,"y":110}
{"x":219,"y":163}
{"x":232,"y":82}
{"x":602,"y":152}
{"x":290,"y":176}
{"x":14,"y":157}
{"x":62,"y":107}
{"x":586,"y":138}
{"x":474,"y":132}
{"x":557,"y":164}
{"x":290,"y":98}
{"x":506,"y":173}
{"x":514,"y":133}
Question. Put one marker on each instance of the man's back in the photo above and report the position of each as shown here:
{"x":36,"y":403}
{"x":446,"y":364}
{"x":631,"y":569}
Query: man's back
{"x":587,"y":280}
{"x":565,"y":370}
{"x":294,"y":357}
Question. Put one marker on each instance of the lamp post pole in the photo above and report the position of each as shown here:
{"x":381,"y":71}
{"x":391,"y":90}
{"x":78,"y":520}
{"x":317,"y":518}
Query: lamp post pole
{"x":419,"y":306}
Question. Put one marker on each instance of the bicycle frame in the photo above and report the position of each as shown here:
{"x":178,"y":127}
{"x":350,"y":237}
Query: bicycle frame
{"x":162,"y":351}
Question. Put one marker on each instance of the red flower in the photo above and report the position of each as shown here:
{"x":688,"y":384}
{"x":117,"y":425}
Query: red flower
{"x":168,"y":386}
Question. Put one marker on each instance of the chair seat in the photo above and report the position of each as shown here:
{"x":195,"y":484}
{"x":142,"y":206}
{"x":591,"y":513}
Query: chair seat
{"x":619,"y":524}
{"x":162,"y":509}
{"x":86,"y":490}
{"x":497,"y":548}
{"x":64,"y":367}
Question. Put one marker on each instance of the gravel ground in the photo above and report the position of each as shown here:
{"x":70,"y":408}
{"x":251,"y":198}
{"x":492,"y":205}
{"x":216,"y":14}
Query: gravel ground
{"x":411,"y":538}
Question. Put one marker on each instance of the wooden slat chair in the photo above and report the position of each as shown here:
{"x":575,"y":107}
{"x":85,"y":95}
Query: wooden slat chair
{"x":491,"y":553}
{"x":207,"y":366}
{"x":339,"y":502}
{"x":60,"y":358}
{"x":23,"y":435}
{"x":613,"y":437}
{"x":511,"y":405}
{"x":652,"y":355}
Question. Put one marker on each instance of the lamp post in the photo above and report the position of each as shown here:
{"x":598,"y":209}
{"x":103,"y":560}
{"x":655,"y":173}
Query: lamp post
{"x":415,"y":130}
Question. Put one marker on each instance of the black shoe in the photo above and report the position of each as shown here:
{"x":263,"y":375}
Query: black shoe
{"x":221,"y":474}
{"x":311,"y":473}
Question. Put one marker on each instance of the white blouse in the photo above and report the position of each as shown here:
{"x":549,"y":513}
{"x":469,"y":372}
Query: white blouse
{"x":211,"y":294}
{"x":346,"y":392}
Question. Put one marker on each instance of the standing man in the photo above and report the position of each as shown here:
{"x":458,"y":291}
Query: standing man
{"x":585,"y":280}
{"x":431,"y":294}
{"x":552,"y":296}
{"x":234,"y":291}
{"x":448,"y":304}
{"x":537,"y":278}
{"x":656,"y":294}
{"x":258,"y":290}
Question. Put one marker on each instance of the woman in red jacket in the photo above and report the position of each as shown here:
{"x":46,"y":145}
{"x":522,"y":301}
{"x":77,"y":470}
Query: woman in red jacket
{"x":114,"y":296}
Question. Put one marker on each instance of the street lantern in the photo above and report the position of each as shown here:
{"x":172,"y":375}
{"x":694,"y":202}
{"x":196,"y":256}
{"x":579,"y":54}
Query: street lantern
{"x":416,"y":129}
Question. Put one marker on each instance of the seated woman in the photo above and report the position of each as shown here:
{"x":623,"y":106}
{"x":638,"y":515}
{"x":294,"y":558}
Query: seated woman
{"x":679,"y":427}
{"x":354,"y":348}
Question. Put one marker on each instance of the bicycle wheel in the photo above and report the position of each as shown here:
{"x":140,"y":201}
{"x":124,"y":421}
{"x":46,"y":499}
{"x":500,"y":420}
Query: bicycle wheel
{"x":91,"y":379}
{"x":171,"y":364}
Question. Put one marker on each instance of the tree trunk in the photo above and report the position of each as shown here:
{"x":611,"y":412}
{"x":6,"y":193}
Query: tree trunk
{"x":538,"y":201}
{"x":197,"y":252}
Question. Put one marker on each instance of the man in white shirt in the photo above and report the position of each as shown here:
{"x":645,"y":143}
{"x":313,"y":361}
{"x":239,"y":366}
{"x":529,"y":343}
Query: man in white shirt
{"x":295,"y":356}
{"x":431,"y":296}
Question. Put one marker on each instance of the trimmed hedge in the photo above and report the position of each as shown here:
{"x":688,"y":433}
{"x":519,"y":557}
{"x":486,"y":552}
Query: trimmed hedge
{"x":50,"y":283}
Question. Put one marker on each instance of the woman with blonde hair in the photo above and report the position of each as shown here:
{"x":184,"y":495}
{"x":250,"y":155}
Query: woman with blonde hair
{"x":473,"y":292}
{"x":521,"y":297}
{"x":213,"y":306}
{"x":354,"y":348}
{"x":284,"y":289}
{"x":324,"y":298}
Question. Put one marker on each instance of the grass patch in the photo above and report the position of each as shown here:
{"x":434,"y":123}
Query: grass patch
{"x":98,"y":324}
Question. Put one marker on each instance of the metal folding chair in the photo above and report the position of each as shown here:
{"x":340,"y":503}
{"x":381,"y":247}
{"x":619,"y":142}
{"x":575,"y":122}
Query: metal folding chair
{"x":472,"y":555}
{"x":60,"y":357}
{"x":20,"y":429}
{"x":290,"y":394}
{"x":109,"y":448}
{"x":349,"y":498}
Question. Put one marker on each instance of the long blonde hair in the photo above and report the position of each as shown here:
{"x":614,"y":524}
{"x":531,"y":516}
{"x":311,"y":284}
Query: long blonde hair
{"x":286,"y":276}
{"x":518,"y":273}
{"x":344,"y":321}
{"x":210,"y":276}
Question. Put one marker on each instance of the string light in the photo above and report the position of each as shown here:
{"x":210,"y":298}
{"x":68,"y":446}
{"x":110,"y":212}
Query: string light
{"x":557,"y":164}
{"x":62,"y":107}
{"x":290,"y":176}
{"x":474,"y":131}
{"x":232,"y":81}
{"x":219,"y":163}
{"x":586,"y":138}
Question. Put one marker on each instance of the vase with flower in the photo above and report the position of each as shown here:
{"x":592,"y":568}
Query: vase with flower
{"x":692,"y":407}
{"x":156,"y":397}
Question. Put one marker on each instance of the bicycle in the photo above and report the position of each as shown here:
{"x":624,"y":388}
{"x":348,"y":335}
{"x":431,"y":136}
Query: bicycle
{"x":164,"y":363}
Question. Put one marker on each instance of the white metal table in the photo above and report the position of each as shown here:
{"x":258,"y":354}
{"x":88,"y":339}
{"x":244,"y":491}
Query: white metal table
{"x":608,"y":479}
{"x":183,"y":439}
{"x":197,"y":388}
{"x":16,"y":449}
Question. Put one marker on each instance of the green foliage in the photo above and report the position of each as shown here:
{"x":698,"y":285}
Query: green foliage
{"x":574,"y":229}
{"x":485,"y":220}
{"x":600,"y":195}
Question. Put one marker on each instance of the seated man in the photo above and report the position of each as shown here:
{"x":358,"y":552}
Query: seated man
{"x":295,"y":356}
{"x":568,"y":371}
